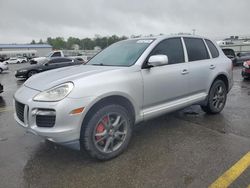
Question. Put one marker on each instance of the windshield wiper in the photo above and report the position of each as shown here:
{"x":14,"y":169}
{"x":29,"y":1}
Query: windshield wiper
{"x":97,"y":64}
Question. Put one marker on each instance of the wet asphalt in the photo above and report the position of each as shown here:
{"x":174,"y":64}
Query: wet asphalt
{"x":186,"y":148}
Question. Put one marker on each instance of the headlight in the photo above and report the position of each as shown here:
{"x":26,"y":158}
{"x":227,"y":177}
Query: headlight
{"x":245,"y":64}
{"x":55,"y":94}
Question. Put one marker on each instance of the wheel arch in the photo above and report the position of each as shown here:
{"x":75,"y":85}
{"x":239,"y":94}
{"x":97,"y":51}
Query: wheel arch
{"x":224,"y":78}
{"x":220,"y":76}
{"x":110,"y":99}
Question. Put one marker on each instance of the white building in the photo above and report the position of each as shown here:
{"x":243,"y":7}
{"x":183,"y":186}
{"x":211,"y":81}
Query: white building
{"x":29,"y":50}
{"x":237,"y":43}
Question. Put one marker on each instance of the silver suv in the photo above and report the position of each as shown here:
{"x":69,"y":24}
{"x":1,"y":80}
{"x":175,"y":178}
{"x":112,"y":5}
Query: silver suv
{"x":95,"y":106}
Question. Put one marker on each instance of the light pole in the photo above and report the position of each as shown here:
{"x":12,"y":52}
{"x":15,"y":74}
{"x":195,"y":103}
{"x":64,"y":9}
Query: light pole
{"x":194,"y":30}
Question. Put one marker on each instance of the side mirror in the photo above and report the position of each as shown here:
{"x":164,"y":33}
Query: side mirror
{"x":157,"y":60}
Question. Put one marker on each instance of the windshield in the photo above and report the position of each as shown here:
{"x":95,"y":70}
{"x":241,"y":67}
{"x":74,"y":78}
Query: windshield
{"x":123,"y":53}
{"x":49,"y":54}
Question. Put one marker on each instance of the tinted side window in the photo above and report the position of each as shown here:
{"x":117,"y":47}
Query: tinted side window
{"x":53,"y":61}
{"x":63,"y":60}
{"x":212,"y":48}
{"x":172,"y":48}
{"x":56,"y":54}
{"x":59,"y":60}
{"x":196,"y":49}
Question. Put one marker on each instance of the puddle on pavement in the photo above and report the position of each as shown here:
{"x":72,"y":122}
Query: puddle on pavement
{"x":3,"y":139}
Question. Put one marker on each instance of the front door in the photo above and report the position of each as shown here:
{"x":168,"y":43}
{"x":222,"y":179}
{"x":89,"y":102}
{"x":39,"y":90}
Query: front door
{"x":165,"y":84}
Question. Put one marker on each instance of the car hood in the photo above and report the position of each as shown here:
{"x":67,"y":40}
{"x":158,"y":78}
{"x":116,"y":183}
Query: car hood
{"x":39,"y":58}
{"x":3,"y":63}
{"x":49,"y":79}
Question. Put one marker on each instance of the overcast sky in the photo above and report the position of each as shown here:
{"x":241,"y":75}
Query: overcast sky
{"x":24,"y":20}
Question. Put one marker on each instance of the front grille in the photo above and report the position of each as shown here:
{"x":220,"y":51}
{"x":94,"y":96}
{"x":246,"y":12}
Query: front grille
{"x":45,"y":120}
{"x":20,"y":110}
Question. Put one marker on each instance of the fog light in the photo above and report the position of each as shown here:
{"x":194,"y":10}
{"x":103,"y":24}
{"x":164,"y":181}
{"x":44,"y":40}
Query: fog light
{"x":77,"y":111}
{"x":43,"y":112}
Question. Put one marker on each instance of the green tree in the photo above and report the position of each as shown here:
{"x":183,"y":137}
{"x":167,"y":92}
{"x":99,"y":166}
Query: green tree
{"x":85,"y":43}
{"x":71,"y":41}
{"x":57,"y":43}
{"x":40,"y":41}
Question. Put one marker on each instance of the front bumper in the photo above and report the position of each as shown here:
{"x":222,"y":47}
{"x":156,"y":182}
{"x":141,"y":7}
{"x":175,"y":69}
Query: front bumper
{"x":67,"y":127}
{"x":20,"y":74}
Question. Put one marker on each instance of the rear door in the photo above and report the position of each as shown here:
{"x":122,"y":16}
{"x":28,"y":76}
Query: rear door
{"x":201,"y":67}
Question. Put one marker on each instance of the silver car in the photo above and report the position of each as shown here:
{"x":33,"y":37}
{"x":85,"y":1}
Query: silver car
{"x":3,"y":67}
{"x":94,"y":107}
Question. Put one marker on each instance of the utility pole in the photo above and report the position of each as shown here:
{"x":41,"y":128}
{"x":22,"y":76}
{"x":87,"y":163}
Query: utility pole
{"x":194,"y":30}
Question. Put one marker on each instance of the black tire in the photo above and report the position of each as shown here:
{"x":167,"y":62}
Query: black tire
{"x":18,"y":62}
{"x":31,"y":73}
{"x":246,"y":78}
{"x":1,"y":70}
{"x":216,"y":99}
{"x":95,"y":145}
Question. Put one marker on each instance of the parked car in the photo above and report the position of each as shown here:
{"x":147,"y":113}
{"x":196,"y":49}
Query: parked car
{"x":14,"y":60}
{"x":230,"y":54}
{"x":1,"y":88}
{"x":3,"y":58}
{"x":242,"y":57}
{"x":53,"y":54}
{"x":48,"y":65}
{"x":94,"y":107}
{"x":3,"y":67}
{"x":23,"y":59}
{"x":246,"y":70}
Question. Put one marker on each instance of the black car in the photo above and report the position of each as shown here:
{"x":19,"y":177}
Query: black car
{"x":1,"y":88}
{"x":49,"y":65}
{"x":242,"y":57}
{"x":230,"y":54}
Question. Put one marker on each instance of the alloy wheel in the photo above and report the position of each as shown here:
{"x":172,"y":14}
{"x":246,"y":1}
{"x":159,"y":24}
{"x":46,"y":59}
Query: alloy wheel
{"x":110,"y":133}
{"x":219,"y":97}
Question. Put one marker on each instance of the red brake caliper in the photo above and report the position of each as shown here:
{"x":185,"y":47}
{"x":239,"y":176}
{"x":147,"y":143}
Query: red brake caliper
{"x":100,"y":128}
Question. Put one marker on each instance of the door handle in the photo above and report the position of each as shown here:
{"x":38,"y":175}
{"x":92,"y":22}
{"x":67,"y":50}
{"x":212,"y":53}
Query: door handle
{"x":212,"y":67}
{"x":184,"y":71}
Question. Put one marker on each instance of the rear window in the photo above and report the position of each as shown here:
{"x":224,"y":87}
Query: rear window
{"x":196,"y":49}
{"x":213,"y":50}
{"x":229,"y":52}
{"x":56,"y":54}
